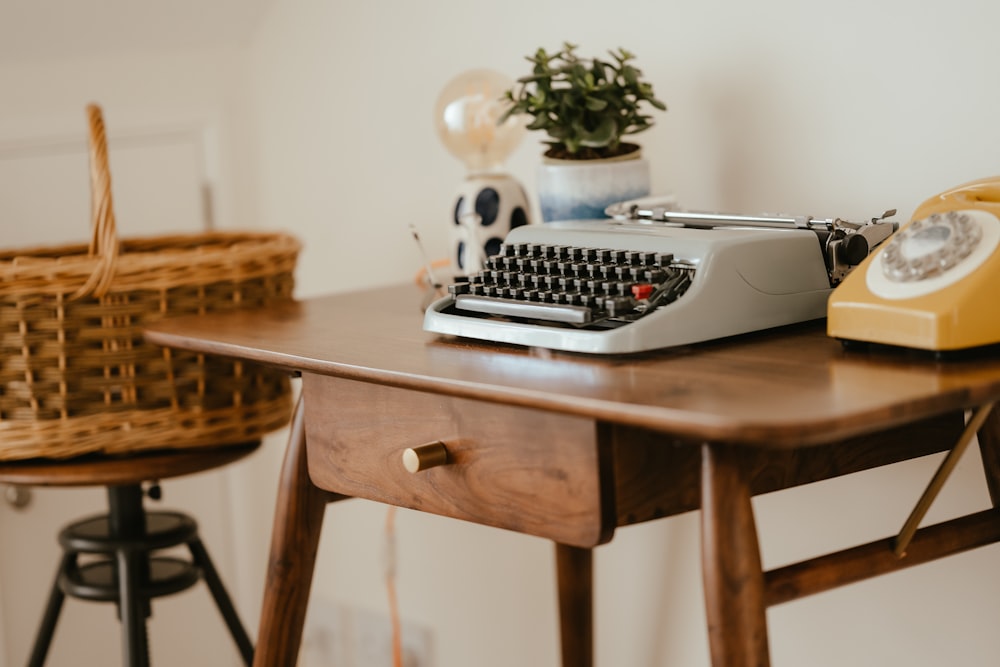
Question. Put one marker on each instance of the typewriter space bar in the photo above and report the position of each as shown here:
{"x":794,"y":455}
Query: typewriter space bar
{"x":555,"y":312}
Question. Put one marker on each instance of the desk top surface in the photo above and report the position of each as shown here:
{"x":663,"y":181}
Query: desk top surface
{"x":782,"y":388}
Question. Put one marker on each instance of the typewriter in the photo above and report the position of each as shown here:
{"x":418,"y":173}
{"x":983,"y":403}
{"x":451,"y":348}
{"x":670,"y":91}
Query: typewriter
{"x":652,"y":277}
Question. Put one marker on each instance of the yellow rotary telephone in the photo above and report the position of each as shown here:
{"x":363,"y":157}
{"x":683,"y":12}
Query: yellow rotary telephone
{"x":935,"y":283}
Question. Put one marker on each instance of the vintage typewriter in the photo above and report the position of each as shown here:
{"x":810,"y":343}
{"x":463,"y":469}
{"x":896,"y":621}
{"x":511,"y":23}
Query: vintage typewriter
{"x":653,"y":277}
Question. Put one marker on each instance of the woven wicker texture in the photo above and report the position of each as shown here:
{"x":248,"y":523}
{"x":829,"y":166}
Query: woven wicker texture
{"x":76,"y":376}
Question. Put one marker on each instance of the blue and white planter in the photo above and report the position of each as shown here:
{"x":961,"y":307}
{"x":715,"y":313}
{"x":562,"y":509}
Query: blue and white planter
{"x":582,"y":189}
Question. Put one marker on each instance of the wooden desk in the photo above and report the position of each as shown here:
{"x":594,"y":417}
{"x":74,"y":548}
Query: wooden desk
{"x":570,"y":447}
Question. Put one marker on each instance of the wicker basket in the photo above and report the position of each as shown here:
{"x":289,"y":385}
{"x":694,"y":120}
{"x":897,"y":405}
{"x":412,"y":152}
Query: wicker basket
{"x":76,"y":376}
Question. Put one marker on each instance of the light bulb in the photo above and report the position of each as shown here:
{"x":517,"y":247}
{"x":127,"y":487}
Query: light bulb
{"x":466,"y":115}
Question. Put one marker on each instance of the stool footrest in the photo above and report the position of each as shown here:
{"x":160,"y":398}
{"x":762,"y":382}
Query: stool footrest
{"x":94,"y":534}
{"x":120,"y":557}
{"x":98,"y":580}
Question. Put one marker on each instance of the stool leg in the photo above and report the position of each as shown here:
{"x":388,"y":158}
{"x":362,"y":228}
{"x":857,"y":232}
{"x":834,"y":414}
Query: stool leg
{"x":135,"y":645}
{"x":222,"y":599}
{"x":127,"y":520}
{"x":43,"y":640}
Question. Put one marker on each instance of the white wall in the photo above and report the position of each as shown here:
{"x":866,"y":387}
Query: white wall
{"x":140,"y":92}
{"x":325,"y":128}
{"x":833,"y":109}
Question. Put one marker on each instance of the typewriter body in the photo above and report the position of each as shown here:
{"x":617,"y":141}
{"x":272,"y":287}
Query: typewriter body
{"x":653,"y":277}
{"x":934,"y":286}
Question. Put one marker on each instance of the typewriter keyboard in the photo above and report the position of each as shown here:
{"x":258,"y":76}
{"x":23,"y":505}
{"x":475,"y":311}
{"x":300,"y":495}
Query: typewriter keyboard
{"x":570,"y":285}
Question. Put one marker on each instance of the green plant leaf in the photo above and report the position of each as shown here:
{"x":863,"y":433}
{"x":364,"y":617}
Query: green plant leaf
{"x":581,"y":102}
{"x":540,"y":123}
{"x":602,"y":135}
{"x":559,"y":133}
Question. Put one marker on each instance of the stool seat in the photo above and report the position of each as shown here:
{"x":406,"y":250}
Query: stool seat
{"x":103,"y":470}
{"x":124,"y":567}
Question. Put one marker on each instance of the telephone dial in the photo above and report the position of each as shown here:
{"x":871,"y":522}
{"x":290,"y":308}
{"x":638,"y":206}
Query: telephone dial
{"x":935,"y":284}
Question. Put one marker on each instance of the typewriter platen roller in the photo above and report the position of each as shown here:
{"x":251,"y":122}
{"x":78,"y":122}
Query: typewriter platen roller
{"x":654,"y":277}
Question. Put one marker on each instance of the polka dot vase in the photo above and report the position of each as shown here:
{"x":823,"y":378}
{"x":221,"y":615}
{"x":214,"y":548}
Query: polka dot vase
{"x":486,"y":209}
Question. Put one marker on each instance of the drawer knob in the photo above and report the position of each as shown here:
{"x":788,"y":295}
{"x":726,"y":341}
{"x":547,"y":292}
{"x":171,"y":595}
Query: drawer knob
{"x":427,"y":456}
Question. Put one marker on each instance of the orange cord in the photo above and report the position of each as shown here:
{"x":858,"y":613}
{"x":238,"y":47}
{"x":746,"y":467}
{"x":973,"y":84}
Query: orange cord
{"x":390,"y":584}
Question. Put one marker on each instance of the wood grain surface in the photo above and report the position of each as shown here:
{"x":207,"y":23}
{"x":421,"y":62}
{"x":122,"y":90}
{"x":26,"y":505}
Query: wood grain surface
{"x":507,"y":467}
{"x":780,"y":388}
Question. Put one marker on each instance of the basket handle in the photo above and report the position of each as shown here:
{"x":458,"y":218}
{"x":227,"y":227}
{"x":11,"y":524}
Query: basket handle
{"x":104,"y":242}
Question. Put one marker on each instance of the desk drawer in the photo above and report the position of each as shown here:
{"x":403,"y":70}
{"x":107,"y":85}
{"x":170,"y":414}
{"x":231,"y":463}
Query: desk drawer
{"x":518,"y":468}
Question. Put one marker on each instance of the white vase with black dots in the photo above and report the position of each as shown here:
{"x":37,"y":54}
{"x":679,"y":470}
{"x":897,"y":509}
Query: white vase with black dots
{"x":489,"y":202}
{"x":486,"y":209}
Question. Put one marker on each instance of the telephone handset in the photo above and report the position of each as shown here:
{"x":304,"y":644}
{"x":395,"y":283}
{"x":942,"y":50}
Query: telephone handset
{"x":932,"y":285}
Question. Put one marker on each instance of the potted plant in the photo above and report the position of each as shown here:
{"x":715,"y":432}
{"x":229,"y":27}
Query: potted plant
{"x":586,"y":107}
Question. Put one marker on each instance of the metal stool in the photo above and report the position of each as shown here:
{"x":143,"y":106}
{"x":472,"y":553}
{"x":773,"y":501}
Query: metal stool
{"x":124,"y":566}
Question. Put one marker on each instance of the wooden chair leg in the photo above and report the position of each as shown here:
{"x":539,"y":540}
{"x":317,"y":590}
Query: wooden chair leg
{"x":731,"y":566}
{"x":294,"y":542}
{"x":989,"y":447}
{"x":575,"y":577}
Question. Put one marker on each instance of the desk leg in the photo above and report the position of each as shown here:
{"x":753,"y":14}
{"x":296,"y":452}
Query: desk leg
{"x":731,"y":567}
{"x":989,"y":447}
{"x":294,"y":541}
{"x":574,"y":572}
